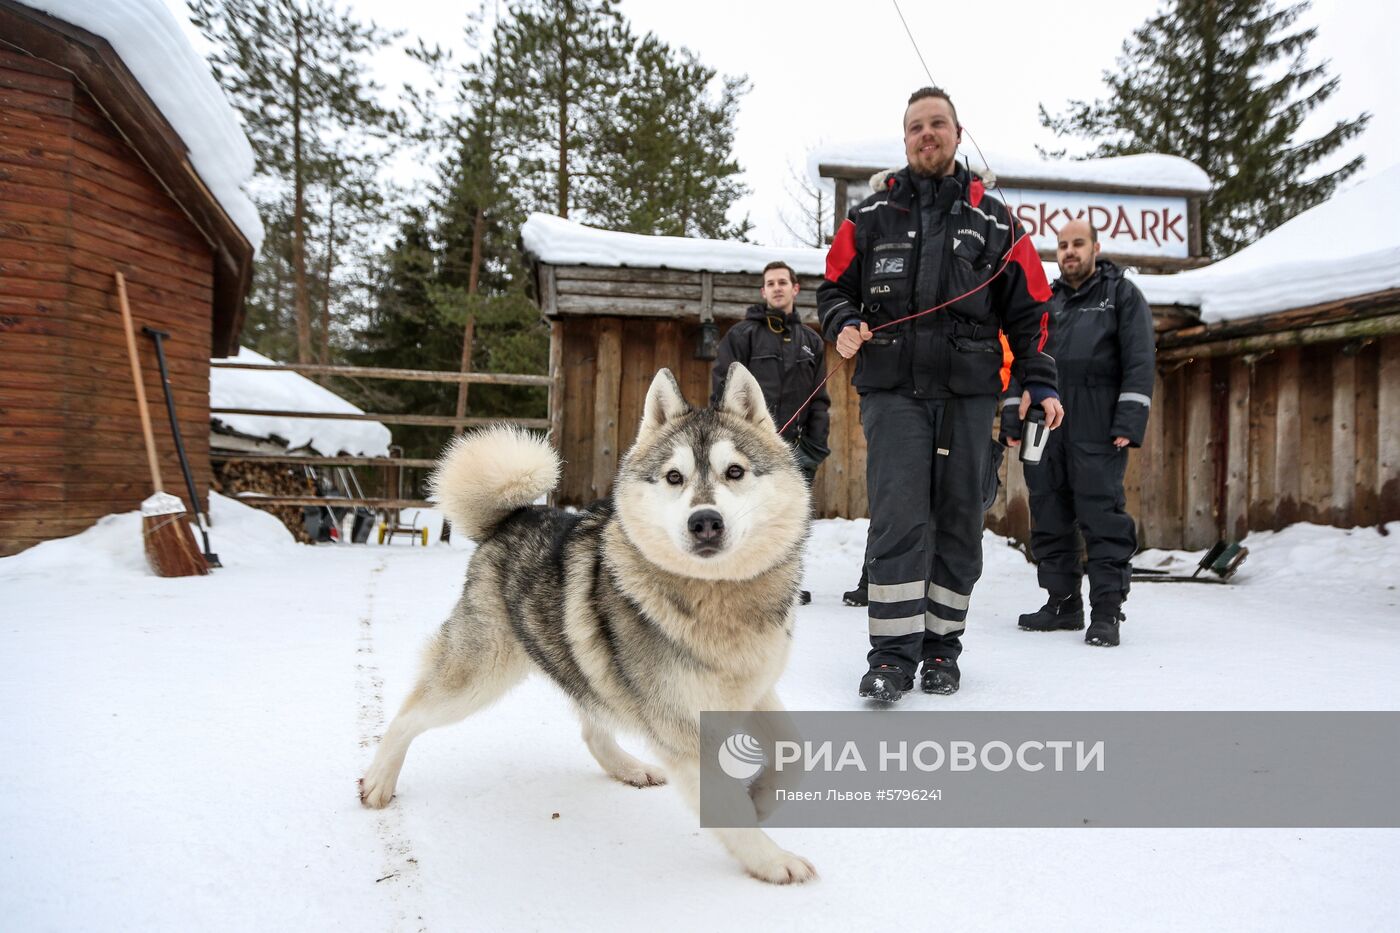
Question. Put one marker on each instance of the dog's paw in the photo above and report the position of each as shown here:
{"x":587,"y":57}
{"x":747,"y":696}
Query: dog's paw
{"x":375,"y":794}
{"x":785,"y":868}
{"x":640,"y":774}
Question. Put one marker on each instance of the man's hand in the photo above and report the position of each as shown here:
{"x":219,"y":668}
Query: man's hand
{"x":1054,"y":411}
{"x":849,"y":341}
{"x":1121,"y":442}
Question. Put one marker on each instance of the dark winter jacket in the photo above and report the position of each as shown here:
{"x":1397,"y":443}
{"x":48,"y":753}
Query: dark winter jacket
{"x":917,"y":243}
{"x":789,"y":361}
{"x":1101,"y":337}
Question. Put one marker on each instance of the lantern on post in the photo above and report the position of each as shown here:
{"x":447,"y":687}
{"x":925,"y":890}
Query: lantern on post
{"x":707,"y":346}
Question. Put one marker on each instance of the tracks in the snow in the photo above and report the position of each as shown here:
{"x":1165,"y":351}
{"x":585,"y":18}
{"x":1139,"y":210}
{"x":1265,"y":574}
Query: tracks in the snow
{"x":398,"y":874}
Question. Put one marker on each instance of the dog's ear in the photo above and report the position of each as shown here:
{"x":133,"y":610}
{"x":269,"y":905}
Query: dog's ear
{"x":664,"y":403}
{"x":744,"y":397}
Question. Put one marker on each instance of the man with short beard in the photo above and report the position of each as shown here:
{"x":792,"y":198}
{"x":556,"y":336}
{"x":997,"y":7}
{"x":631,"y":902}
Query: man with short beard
{"x":928,"y":387}
{"x":1103,"y":344}
{"x":788,"y":359}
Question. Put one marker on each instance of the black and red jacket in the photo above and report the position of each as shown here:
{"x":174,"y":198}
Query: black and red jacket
{"x":873,"y":275}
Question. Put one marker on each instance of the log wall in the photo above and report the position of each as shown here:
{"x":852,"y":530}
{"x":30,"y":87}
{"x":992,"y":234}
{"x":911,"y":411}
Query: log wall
{"x":1256,"y":442}
{"x":603,"y":367}
{"x":76,"y":205}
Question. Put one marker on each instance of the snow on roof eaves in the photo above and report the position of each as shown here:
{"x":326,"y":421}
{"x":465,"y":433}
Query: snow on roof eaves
{"x":1151,"y":170}
{"x":1343,"y":248}
{"x":561,"y":242}
{"x":289,"y":391}
{"x":154,"y":49}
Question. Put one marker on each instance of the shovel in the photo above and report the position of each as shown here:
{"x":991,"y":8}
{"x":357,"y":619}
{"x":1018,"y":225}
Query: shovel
{"x":200,"y":519}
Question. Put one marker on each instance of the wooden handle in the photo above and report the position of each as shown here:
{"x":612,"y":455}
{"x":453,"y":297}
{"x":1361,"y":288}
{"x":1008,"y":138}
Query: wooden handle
{"x":140,"y":386}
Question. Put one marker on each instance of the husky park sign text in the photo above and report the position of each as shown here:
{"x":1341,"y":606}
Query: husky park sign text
{"x":1153,"y":228}
{"x":1139,"y":225}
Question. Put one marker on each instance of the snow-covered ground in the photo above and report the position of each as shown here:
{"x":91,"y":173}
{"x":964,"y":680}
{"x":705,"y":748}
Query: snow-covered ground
{"x":182,"y":754}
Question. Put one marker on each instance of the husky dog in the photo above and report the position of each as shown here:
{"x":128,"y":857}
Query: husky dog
{"x":674,"y":597}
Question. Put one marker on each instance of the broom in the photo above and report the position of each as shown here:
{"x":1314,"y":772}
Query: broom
{"x":170,"y":548}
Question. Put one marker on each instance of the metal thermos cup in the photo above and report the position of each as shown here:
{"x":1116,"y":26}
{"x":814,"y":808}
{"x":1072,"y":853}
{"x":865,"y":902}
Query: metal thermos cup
{"x":1034,"y":436}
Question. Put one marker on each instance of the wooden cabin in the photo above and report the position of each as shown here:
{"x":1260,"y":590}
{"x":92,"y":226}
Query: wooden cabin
{"x":95,"y":180}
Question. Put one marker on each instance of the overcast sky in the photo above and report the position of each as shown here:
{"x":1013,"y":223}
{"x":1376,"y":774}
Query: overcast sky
{"x":826,"y":72}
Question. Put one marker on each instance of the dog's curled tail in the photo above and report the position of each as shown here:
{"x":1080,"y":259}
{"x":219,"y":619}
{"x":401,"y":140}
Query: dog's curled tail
{"x":487,"y":474}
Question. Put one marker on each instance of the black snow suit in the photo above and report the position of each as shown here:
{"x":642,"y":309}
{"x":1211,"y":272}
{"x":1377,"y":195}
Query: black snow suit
{"x":788,"y":359}
{"x":1102,"y":339}
{"x":928,"y":390}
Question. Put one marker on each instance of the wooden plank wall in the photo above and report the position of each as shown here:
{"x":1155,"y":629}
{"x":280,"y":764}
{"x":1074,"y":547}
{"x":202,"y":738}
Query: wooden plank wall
{"x":1256,"y":443}
{"x":665,"y":293}
{"x":76,"y":205}
{"x":607,"y":365}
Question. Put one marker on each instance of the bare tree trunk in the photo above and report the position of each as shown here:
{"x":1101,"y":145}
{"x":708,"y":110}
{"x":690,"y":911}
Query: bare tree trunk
{"x":330,"y":268}
{"x":468,"y":335}
{"x":563,"y":117}
{"x":300,"y":301}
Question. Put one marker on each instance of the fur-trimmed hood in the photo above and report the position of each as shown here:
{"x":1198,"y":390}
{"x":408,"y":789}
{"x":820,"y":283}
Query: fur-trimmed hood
{"x":881,"y":178}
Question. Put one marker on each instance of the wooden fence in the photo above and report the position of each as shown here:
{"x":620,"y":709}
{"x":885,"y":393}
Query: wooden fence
{"x":456,"y":422}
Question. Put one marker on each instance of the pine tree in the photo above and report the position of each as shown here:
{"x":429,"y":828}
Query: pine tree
{"x":458,"y":259}
{"x":561,"y":63}
{"x":1226,"y":84}
{"x":666,"y":149}
{"x":295,"y":69}
{"x":560,"y":109}
{"x":403,"y":326}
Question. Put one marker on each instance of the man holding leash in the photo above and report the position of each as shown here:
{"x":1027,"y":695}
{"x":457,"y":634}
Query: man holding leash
{"x":788,"y":359}
{"x":929,"y":386}
{"x":1104,"y":347}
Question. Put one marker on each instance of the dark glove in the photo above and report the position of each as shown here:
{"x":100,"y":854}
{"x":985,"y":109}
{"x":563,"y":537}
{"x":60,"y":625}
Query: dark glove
{"x":1010,"y":421}
{"x":810,"y":454}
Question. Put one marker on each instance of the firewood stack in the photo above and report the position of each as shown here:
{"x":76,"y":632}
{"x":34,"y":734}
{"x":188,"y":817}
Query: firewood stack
{"x":270,"y":479}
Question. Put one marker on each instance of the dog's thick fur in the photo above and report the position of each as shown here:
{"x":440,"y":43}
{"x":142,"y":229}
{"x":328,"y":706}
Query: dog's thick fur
{"x":624,"y":606}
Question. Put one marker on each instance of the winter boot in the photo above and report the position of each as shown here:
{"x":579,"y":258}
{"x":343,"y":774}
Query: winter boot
{"x":1059,"y":612}
{"x":885,"y":683}
{"x":1103,"y":628}
{"x":941,"y":676}
{"x":858,"y":596}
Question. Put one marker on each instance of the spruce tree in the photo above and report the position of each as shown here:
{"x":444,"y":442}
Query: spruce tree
{"x":561,"y":63}
{"x":666,"y":150}
{"x":1226,"y":84}
{"x":295,"y":69}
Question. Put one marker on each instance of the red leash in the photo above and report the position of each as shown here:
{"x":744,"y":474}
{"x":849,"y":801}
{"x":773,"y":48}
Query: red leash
{"x":1005,"y":261}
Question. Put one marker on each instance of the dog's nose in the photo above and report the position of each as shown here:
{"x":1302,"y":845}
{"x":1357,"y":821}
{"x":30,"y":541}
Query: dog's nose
{"x":706,"y":526}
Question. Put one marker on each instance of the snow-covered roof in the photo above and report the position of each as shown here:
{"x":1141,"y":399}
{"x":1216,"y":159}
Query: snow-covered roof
{"x":1345,"y":247}
{"x":1135,"y":171}
{"x":288,"y":391}
{"x":152,"y":46}
{"x":563,"y":242}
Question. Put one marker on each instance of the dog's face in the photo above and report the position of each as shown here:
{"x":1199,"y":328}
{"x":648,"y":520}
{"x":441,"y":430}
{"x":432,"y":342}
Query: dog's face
{"x":713,"y":493}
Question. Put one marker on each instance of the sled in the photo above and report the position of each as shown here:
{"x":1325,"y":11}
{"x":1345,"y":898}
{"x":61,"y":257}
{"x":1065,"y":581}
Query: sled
{"x":1221,"y":562}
